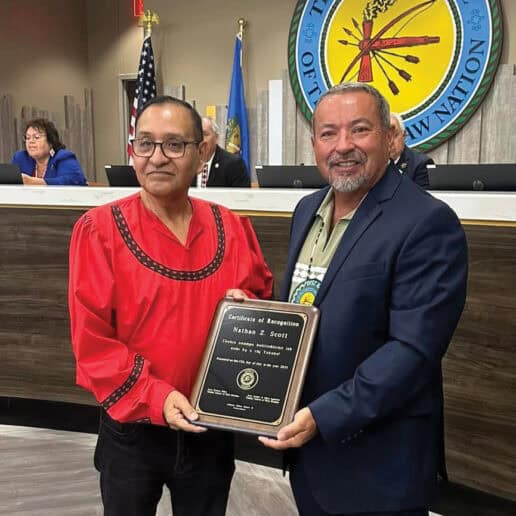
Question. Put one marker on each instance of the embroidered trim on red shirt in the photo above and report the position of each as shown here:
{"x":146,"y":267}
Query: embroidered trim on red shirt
{"x":143,"y":421}
{"x":155,"y":266}
{"x":127,"y":385}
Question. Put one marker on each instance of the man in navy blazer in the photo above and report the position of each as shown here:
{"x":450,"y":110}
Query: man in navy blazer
{"x":386,"y":264}
{"x":408,"y":161}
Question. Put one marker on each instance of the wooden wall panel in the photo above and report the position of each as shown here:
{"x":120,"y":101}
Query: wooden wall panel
{"x":289,"y":122}
{"x":440,"y":154}
{"x":177,"y":90}
{"x":304,"y":153}
{"x":252,"y":122}
{"x":37,"y":361}
{"x":480,"y":368}
{"x":221,"y":115}
{"x":7,"y":129}
{"x":87,"y":137}
{"x":262,"y":121}
{"x":498,"y":139}
{"x":464,"y":147}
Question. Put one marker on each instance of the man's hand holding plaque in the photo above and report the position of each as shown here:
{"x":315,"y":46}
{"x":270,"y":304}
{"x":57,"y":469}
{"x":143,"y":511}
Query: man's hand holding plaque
{"x":179,"y":414}
{"x":294,"y":435}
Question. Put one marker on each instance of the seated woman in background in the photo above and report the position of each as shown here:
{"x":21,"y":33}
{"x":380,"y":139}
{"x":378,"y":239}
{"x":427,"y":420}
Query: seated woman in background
{"x":45,"y":160}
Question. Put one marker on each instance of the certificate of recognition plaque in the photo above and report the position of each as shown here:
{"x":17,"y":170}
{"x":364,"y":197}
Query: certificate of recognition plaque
{"x":253,"y":368}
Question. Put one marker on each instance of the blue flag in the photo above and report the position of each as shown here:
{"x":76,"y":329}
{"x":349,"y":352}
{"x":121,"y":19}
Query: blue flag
{"x":237,"y":132}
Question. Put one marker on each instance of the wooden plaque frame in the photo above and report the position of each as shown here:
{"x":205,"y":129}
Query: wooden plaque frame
{"x":254,"y":365}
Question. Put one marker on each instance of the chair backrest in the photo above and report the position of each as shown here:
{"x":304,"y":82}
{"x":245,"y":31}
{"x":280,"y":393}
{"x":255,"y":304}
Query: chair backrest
{"x":289,"y":176}
{"x":10,"y":174}
{"x":478,"y":176}
{"x":121,"y":175}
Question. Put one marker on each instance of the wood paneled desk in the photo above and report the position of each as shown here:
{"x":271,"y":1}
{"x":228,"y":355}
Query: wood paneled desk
{"x":479,"y":369}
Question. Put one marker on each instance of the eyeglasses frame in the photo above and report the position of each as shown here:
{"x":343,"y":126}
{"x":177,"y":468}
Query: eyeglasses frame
{"x":154,"y":144}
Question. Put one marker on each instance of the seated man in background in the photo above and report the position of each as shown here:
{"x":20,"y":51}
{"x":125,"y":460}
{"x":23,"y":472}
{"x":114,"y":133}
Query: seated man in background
{"x":45,"y":161}
{"x":408,"y":161}
{"x":146,"y":275}
{"x":222,"y":168}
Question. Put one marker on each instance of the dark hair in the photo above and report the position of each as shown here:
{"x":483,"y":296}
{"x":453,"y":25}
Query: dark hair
{"x":167,"y":99}
{"x":351,"y":87}
{"x":47,"y":127}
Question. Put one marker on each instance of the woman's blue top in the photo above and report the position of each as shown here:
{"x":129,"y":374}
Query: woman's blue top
{"x":62,"y":168}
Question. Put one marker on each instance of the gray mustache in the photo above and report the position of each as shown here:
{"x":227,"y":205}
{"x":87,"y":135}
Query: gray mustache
{"x":353,"y":156}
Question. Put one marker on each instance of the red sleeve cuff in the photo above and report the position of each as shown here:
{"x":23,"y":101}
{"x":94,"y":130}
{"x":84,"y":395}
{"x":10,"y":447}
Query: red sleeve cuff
{"x":160,"y":392}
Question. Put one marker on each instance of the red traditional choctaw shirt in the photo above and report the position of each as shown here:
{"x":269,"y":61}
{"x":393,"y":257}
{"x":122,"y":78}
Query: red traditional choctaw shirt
{"x":141,"y":303}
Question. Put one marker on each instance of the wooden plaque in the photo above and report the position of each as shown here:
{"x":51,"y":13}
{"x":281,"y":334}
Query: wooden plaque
{"x":253,"y":368}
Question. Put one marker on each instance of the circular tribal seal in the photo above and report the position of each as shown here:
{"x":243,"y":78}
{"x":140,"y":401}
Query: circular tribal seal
{"x":433,"y":60}
{"x":247,"y":379}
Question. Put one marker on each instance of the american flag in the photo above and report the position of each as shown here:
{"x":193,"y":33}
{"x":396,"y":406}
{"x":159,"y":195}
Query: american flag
{"x":145,"y":86}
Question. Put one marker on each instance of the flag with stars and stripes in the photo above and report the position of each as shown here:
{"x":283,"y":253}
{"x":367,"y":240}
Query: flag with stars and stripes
{"x":145,"y":86}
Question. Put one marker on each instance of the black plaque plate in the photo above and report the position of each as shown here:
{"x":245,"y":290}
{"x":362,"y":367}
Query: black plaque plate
{"x":254,"y":365}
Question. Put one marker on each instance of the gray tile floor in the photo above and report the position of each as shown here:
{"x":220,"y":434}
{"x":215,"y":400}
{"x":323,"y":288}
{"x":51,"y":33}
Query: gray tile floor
{"x":50,"y":473}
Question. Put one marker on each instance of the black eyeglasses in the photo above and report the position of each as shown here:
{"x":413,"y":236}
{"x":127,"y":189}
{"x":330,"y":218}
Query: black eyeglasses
{"x":171,"y":148}
{"x":36,"y":137}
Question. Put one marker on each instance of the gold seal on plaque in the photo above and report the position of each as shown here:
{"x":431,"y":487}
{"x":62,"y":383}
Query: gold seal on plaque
{"x":247,"y":379}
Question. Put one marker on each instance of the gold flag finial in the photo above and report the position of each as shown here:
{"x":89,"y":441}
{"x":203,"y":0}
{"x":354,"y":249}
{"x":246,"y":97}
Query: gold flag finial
{"x":146,"y":21}
{"x":241,"y":24}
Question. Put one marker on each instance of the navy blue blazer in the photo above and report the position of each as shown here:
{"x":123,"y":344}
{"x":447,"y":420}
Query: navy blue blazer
{"x":414,"y":165}
{"x":389,"y":302}
{"x":228,"y":170}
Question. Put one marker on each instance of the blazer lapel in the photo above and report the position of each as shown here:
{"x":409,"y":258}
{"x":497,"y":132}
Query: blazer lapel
{"x":367,"y":212}
{"x":365,"y":215}
{"x":404,"y":162}
{"x":304,"y":220}
{"x":213,"y":179}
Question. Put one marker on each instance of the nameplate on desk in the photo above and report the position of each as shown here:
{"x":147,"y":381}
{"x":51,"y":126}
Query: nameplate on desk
{"x":254,"y":365}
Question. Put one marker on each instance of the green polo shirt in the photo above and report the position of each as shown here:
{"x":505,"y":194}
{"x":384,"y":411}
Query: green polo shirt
{"x":317,"y":253}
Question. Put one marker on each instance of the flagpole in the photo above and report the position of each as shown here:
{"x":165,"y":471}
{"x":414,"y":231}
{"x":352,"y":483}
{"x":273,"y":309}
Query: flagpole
{"x":241,"y":24}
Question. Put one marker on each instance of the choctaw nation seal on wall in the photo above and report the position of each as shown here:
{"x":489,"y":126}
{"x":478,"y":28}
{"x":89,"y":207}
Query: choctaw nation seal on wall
{"x":434,"y":60}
